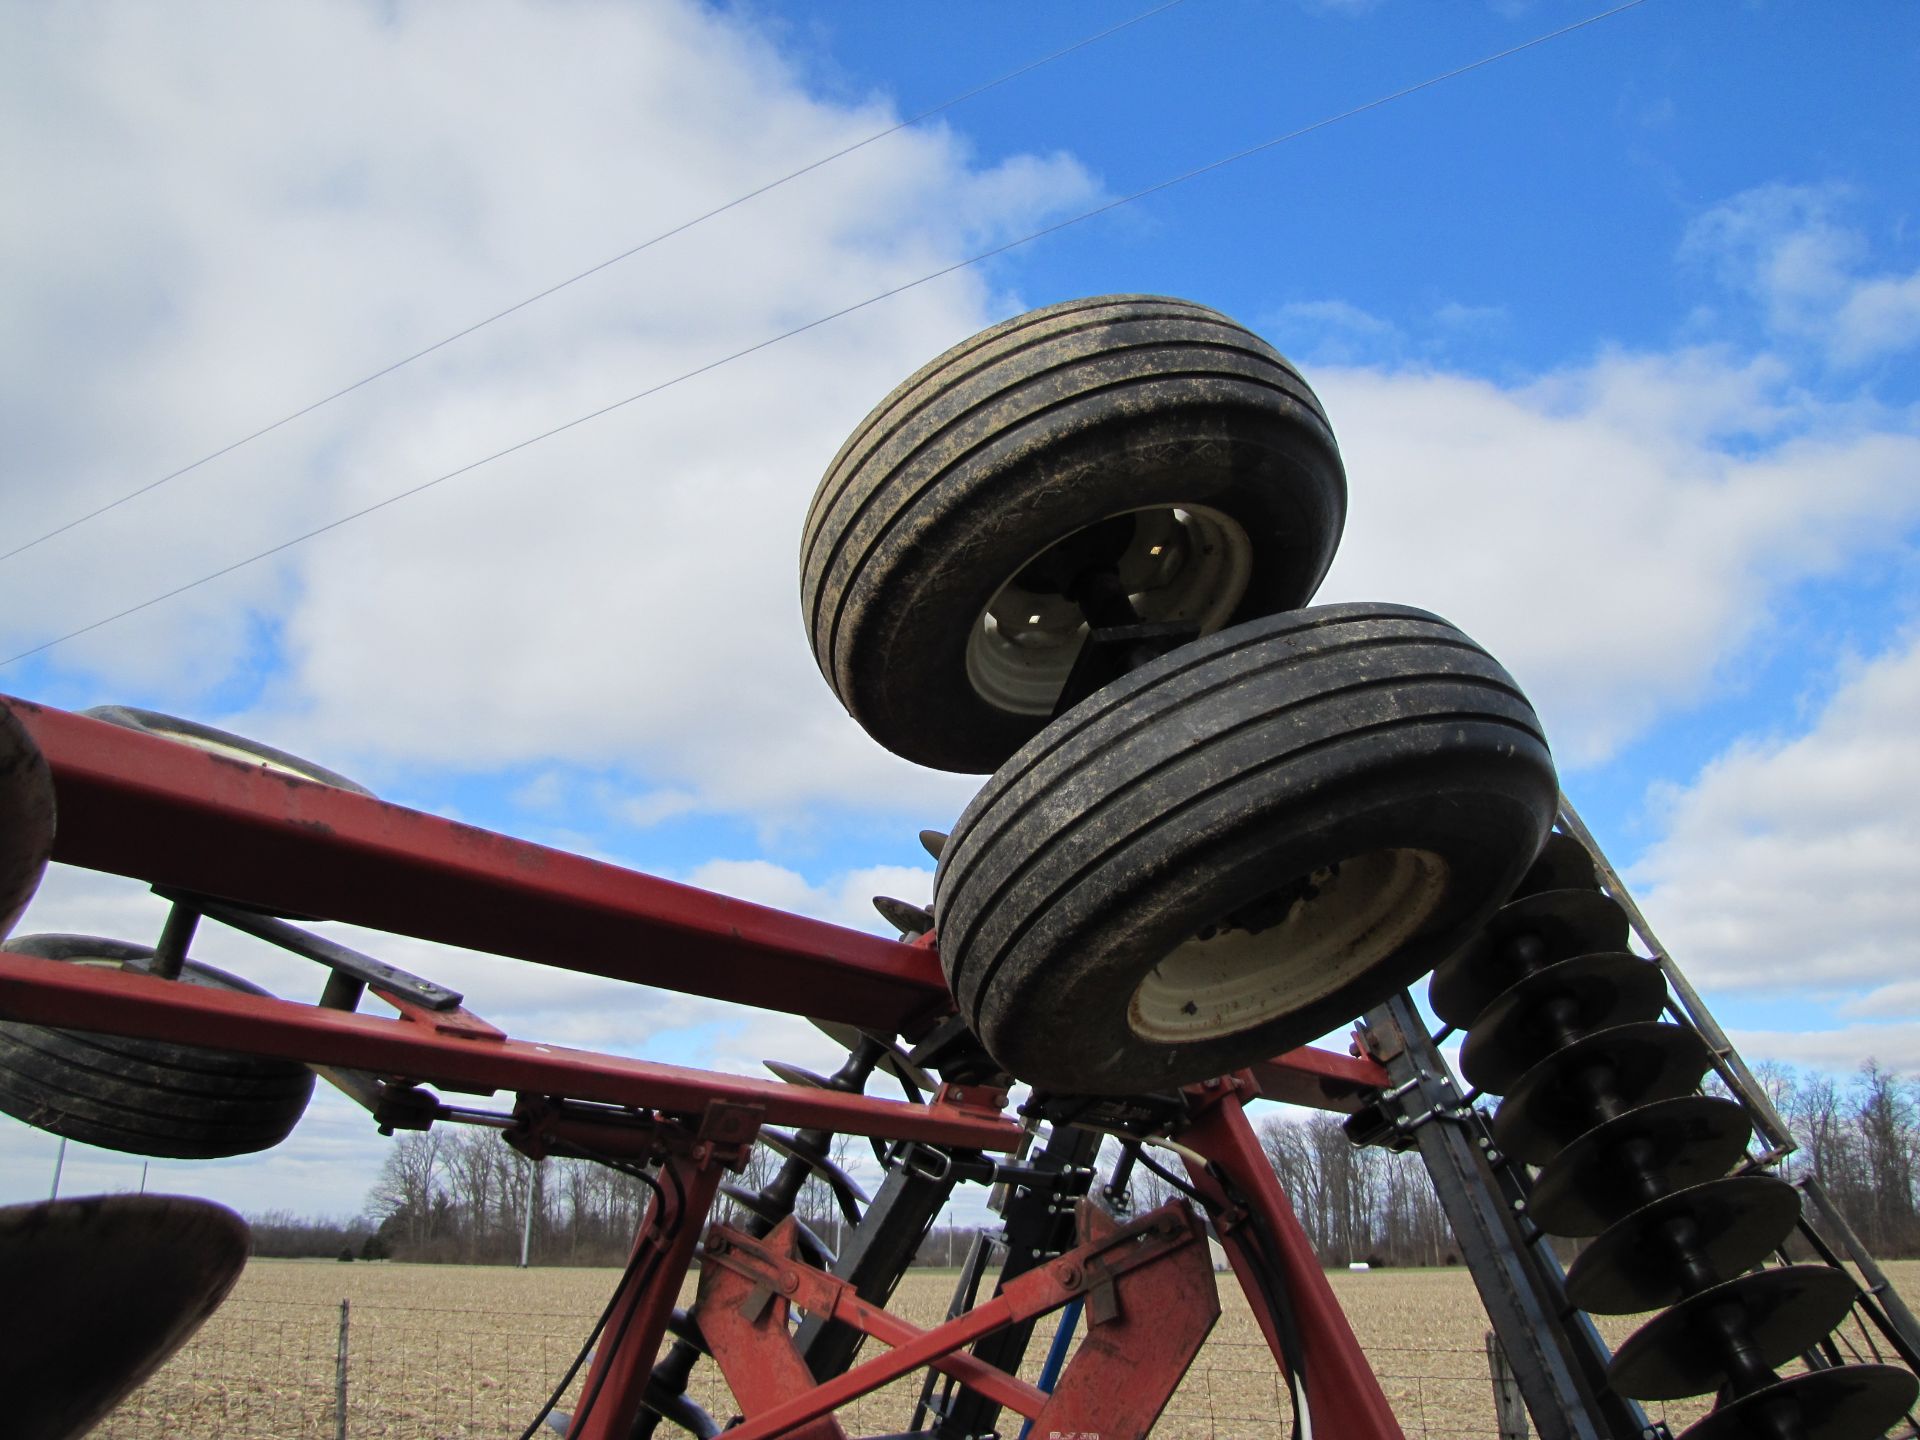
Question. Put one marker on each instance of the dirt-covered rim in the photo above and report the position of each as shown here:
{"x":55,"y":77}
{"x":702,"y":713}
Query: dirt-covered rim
{"x":220,"y":742}
{"x":1338,"y":923}
{"x":1185,"y":562}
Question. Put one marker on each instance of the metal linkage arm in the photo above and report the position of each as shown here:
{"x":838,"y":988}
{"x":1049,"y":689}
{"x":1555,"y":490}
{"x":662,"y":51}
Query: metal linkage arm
{"x":1149,"y":1279}
{"x":455,"y":1050}
{"x":186,"y":819}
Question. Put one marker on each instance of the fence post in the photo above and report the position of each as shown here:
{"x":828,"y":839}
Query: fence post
{"x":340,"y":1380}
{"x":1509,"y":1410}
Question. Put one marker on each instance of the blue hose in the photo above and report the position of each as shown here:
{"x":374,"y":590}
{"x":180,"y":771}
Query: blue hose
{"x":1057,"y":1352}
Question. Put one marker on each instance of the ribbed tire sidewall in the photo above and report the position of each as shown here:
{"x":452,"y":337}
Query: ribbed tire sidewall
{"x":1016,"y":438}
{"x":1198,"y":782}
{"x":143,"y":1096}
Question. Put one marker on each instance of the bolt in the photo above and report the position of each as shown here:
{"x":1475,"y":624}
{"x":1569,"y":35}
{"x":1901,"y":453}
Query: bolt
{"x":1494,"y":1157}
{"x":789,"y":1281}
{"x":1069,"y":1274}
{"x":957,"y":1095}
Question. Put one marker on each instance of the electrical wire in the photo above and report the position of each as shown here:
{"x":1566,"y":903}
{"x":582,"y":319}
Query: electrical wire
{"x":540,"y":1417}
{"x":591,"y":270}
{"x":1147,"y":1162}
{"x":814,"y":324}
{"x":655,"y":1254}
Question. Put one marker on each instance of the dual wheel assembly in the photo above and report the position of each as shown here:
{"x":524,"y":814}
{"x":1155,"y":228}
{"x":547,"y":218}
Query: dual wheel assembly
{"x":1602,"y":1101}
{"x":1074,"y":552}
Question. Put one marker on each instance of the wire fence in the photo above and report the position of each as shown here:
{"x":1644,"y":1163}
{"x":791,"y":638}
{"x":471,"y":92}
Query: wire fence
{"x":272,"y":1370}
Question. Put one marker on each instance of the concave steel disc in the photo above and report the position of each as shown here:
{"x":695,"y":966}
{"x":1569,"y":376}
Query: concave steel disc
{"x":26,"y":818}
{"x":1563,"y":864}
{"x":1594,"y":992}
{"x":101,"y":1290}
{"x":1596,"y":1179}
{"x":1566,"y":922}
{"x":1549,"y":1107}
{"x":1847,"y":1402}
{"x":893,"y":1059}
{"x":797,"y":1075}
{"x":1732,"y":1224}
{"x":1684,"y":1351}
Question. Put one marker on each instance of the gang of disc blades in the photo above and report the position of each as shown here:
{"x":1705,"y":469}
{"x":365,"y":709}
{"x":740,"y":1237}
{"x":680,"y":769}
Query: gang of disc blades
{"x":1783,"y":1312}
{"x":1548,"y":1109}
{"x":1595,"y":1180}
{"x":1736,"y":1222}
{"x":1562,"y":864}
{"x":1515,"y":1032}
{"x":102,"y":1289}
{"x":1847,"y":1402}
{"x":1566,"y":922}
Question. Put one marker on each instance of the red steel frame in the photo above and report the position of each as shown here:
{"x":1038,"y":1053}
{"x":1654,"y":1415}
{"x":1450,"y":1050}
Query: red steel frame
{"x":187,"y":820}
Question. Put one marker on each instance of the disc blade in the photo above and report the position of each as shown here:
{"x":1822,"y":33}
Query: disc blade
{"x":1595,"y":1180}
{"x":104,"y":1288}
{"x":1731,"y":1224}
{"x":895,"y":1061}
{"x":1553,"y":1104}
{"x":1565,"y":923}
{"x":1563,"y":864}
{"x":1848,"y":1402}
{"x":1778,"y":1313}
{"x":1520,"y":1027}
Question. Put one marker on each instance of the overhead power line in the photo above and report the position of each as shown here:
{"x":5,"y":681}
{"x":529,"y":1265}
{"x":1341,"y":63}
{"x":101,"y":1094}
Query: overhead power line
{"x":591,"y":270}
{"x":1195,"y":173}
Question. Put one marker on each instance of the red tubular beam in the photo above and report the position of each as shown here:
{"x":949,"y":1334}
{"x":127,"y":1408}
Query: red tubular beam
{"x":175,"y":816}
{"x":1319,"y":1079}
{"x":48,"y":992}
{"x":617,"y":1379}
{"x":1345,"y":1398}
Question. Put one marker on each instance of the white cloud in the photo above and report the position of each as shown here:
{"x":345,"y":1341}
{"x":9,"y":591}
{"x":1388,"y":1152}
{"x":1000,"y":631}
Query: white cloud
{"x":1840,"y":1051}
{"x":1787,"y":246}
{"x":1615,"y":532}
{"x":846,"y":900}
{"x":1789,"y":862}
{"x":212,"y":232}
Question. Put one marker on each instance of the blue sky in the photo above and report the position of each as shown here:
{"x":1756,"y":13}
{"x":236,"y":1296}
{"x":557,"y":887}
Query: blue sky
{"x":1620,"y":336}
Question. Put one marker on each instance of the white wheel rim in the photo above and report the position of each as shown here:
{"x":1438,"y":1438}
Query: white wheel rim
{"x":1185,"y":562}
{"x":1365,"y":909}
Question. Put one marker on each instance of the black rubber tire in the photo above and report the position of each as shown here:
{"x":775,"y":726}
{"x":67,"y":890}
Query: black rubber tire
{"x":141,"y":1096}
{"x":1028,"y":433}
{"x":1207,"y":782}
{"x":221,"y":742}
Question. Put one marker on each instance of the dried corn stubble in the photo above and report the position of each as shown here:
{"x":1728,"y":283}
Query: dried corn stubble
{"x":442,"y":1352}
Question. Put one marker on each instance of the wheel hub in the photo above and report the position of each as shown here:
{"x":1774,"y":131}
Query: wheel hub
{"x":1173,"y":563}
{"x":1266,"y":960}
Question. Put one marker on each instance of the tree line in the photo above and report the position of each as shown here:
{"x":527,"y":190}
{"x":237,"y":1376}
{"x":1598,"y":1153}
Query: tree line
{"x":1859,"y":1136}
{"x":464,"y":1196}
